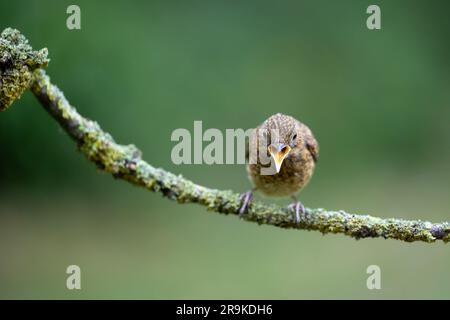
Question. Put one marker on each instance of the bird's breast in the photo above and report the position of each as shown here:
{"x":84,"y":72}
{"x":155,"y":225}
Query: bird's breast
{"x":295,"y":173}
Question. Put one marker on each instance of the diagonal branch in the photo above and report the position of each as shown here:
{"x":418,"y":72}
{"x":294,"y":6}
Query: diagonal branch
{"x":125,"y":162}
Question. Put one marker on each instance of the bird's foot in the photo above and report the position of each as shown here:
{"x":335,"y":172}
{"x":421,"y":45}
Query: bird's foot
{"x":245,"y":199}
{"x":298,"y":208}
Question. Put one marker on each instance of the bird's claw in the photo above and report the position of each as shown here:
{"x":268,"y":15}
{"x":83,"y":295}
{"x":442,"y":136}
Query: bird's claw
{"x":298,"y":209}
{"x":245,"y":200}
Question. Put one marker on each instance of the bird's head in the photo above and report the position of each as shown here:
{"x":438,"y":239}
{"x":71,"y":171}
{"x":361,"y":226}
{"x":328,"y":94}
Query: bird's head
{"x":282,"y":135}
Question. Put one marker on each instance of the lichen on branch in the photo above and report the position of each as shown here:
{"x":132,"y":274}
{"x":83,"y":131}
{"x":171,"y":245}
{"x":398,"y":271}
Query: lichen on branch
{"x":125,"y":162}
{"x":17,"y":62}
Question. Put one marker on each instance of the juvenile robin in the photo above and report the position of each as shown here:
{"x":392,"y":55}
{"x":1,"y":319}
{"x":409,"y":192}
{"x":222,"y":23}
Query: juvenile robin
{"x":284,"y":160}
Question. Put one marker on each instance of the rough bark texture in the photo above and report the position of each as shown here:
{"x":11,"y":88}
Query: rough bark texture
{"x":125,"y":162}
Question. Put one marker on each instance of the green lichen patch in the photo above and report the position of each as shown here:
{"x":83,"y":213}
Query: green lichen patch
{"x":101,"y":149}
{"x":17,"y":62}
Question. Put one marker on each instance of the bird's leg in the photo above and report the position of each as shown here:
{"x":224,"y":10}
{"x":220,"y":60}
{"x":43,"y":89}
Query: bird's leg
{"x":245,"y":199}
{"x":298,"y":209}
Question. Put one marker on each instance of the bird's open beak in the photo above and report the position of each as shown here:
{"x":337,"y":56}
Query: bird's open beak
{"x":278,"y":152}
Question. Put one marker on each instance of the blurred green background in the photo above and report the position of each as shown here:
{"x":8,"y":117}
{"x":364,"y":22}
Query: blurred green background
{"x":377,"y":101}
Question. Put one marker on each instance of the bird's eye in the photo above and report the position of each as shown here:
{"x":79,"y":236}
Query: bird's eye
{"x":294,"y":136}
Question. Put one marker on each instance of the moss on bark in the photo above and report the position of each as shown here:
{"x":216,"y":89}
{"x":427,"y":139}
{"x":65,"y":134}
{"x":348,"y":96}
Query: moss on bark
{"x":17,"y":62}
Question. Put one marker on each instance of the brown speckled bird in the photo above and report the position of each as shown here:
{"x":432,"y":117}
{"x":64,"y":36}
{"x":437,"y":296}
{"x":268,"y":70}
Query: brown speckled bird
{"x":291,"y":152}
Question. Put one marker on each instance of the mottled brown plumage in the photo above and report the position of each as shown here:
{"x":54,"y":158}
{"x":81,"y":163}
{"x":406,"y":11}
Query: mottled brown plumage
{"x":292,"y":150}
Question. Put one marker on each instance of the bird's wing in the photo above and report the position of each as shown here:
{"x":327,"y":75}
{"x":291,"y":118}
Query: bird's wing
{"x":311,"y":143}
